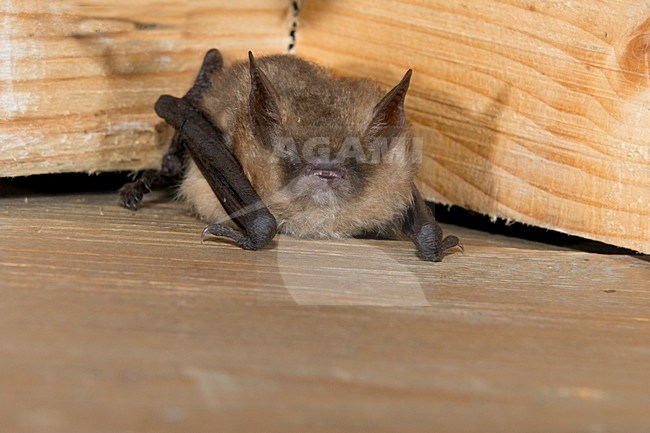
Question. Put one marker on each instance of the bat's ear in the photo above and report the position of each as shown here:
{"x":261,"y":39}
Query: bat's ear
{"x":389,"y":119}
{"x":263,"y":107}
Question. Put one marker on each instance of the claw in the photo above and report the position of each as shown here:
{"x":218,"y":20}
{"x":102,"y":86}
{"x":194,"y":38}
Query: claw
{"x":236,"y":236}
{"x":130,"y":196}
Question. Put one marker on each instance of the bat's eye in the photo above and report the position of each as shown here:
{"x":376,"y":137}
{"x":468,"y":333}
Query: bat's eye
{"x":292,"y":164}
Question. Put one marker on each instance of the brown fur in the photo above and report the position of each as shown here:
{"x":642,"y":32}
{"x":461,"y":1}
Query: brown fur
{"x":312,"y":102}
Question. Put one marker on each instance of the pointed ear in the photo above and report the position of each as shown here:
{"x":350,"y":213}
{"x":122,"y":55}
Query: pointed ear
{"x":389,"y":118}
{"x":262,"y":106}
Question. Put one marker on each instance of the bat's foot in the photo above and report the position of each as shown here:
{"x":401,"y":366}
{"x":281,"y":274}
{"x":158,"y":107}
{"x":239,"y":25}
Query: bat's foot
{"x":132,"y":193}
{"x":431,"y":246}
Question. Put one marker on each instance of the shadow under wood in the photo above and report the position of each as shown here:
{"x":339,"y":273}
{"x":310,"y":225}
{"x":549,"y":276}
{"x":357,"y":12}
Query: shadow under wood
{"x":473,"y":220}
{"x":62,"y":183}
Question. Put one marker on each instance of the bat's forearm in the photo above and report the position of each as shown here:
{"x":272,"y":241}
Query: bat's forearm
{"x":222,"y":171}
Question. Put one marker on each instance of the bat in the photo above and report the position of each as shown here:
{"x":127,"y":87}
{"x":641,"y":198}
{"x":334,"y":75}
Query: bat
{"x":279,"y":144}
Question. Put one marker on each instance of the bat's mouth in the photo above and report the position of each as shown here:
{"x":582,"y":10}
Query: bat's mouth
{"x":326,"y":171}
{"x":323,"y":184}
{"x":327,"y":175}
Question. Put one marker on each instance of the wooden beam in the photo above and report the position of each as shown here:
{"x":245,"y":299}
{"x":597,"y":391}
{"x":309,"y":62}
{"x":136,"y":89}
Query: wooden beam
{"x":79,"y":78}
{"x":537,"y":112}
{"x":120,"y":321}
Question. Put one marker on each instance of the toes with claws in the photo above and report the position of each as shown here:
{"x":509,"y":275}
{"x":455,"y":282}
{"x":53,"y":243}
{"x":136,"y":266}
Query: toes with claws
{"x":131,"y":194}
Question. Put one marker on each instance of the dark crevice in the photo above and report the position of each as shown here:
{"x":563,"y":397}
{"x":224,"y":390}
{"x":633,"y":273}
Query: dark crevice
{"x":295,"y":11}
{"x":476,"y":221}
{"x":59,"y":184}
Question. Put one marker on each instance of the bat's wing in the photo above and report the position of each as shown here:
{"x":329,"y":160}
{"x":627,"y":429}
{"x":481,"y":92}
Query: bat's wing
{"x":222,"y":171}
{"x":205,"y":143}
{"x":422,"y":228}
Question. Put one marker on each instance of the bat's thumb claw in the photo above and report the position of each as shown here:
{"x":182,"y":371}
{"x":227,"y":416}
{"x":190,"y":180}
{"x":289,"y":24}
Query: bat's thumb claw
{"x":212,"y":229}
{"x":451,"y":242}
{"x":221,"y":230}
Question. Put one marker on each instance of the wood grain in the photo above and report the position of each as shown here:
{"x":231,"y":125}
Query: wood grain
{"x":537,"y":112}
{"x":79,"y":78}
{"x":118,"y":321}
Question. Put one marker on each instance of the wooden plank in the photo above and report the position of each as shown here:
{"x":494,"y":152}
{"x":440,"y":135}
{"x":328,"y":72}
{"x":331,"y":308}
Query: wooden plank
{"x":119,"y":321}
{"x":79,"y":78}
{"x":537,"y":112}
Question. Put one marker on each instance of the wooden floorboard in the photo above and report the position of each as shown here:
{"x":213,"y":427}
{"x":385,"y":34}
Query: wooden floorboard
{"x":114,"y":321}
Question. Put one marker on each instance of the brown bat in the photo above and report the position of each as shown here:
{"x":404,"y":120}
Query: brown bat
{"x":281,"y":144}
